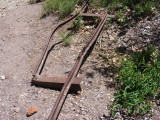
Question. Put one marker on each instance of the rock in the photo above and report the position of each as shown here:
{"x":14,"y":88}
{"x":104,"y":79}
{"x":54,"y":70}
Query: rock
{"x":106,"y":114}
{"x":145,"y":33}
{"x":86,"y":118}
{"x":133,"y":49}
{"x":118,"y":116}
{"x":3,"y":77}
{"x":78,"y":111}
{"x":148,"y":27}
{"x":146,"y":118}
{"x":17,"y":110}
{"x":82,"y":111}
{"x":114,"y":60}
{"x":87,"y":33}
{"x":125,"y":40}
{"x":3,"y":7}
{"x":88,"y":27}
{"x":31,"y":111}
{"x":111,"y":37}
{"x":104,"y":36}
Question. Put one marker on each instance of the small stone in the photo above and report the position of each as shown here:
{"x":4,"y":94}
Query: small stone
{"x":87,"y":33}
{"x":86,"y":118}
{"x":104,"y":36}
{"x":88,"y":27}
{"x":114,"y":60}
{"x":111,"y":37}
{"x":147,"y":118}
{"x":133,"y":49}
{"x":3,"y":77}
{"x":125,"y":40}
{"x":31,"y":111}
{"x":3,"y":7}
{"x":78,"y":111}
{"x":83,"y":112}
{"x":148,"y":27}
{"x":145,"y":33}
{"x":17,"y":110}
{"x":118,"y":116}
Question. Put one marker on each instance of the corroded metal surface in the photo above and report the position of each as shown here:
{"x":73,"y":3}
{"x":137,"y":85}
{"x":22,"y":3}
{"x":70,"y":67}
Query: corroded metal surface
{"x":57,"y":83}
{"x":39,"y":66}
{"x":71,"y":82}
{"x":72,"y":75}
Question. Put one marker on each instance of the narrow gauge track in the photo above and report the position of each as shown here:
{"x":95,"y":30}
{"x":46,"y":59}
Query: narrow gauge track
{"x":39,"y":66}
{"x":73,"y":74}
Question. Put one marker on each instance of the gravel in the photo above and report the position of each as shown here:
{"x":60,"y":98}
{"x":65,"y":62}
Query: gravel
{"x":3,"y":77}
{"x":23,"y":36}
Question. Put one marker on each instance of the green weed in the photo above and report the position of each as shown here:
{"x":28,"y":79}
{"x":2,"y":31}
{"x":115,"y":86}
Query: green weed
{"x":77,"y":24}
{"x":138,"y":7}
{"x":121,"y":17}
{"x":63,"y":7}
{"x":66,"y":8}
{"x":141,"y":7}
{"x":144,"y":8}
{"x":139,"y":82}
{"x":126,"y":8}
{"x":66,"y":39}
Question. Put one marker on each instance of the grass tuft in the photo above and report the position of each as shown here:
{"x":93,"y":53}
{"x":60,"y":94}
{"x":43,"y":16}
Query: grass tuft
{"x":62,"y":7}
{"x":77,"y":24}
{"x":125,"y":8}
{"x":66,"y":39}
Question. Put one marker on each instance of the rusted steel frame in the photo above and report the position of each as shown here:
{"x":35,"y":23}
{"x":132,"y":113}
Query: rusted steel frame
{"x":96,"y":15}
{"x":61,"y":98}
{"x":57,"y":83}
{"x":42,"y":58}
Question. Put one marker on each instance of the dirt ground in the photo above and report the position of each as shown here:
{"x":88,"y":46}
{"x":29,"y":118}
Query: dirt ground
{"x":22,"y":38}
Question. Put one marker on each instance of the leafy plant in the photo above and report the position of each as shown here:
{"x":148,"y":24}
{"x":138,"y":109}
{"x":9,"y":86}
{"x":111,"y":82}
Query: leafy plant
{"x":66,"y":39}
{"x":126,"y":8}
{"x":139,"y":82}
{"x":77,"y":24}
{"x":63,"y":7}
{"x":121,"y":18}
{"x":144,"y":8}
{"x":138,"y":7}
{"x":66,"y":8}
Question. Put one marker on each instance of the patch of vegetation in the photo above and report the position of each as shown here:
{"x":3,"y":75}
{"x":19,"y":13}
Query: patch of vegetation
{"x":124,"y":8}
{"x":99,"y":3}
{"x":66,"y":39}
{"x":62,"y":7}
{"x":77,"y":24}
{"x":139,"y":83}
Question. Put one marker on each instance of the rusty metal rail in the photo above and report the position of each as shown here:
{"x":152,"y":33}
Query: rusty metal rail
{"x":95,"y":15}
{"x":38,"y":68}
{"x":72,"y":75}
{"x":71,"y":80}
